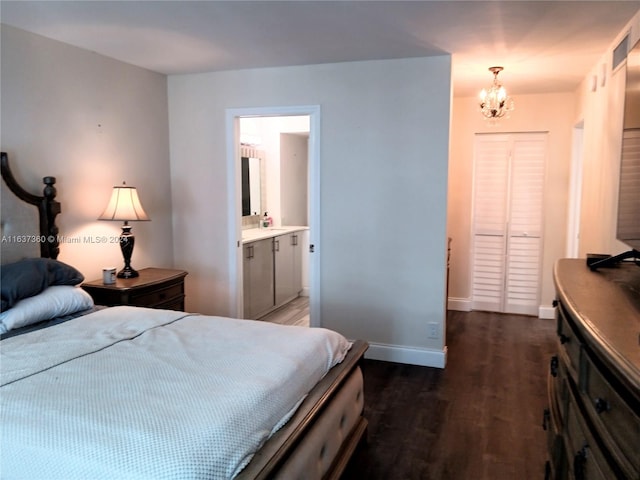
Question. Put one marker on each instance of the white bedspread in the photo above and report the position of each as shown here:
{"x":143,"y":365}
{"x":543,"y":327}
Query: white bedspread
{"x":133,"y":393}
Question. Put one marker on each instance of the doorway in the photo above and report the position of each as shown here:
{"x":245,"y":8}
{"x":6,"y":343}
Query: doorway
{"x":575,"y":192}
{"x":234,"y":180}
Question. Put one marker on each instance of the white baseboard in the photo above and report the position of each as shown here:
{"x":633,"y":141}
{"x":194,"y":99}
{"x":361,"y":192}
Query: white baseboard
{"x":426,"y":357}
{"x":459,"y":304}
{"x":546,"y":311}
{"x":464,"y":305}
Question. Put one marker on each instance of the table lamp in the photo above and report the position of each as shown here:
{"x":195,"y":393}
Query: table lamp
{"x":125,"y":206}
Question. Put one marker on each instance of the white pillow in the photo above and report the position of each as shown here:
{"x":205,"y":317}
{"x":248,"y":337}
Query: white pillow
{"x":53,"y":302}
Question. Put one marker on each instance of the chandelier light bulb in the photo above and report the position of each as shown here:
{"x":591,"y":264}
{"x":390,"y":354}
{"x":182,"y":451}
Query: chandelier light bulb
{"x":494,"y":102}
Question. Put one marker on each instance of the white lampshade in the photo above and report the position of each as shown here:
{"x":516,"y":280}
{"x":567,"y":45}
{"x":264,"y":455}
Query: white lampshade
{"x":124,"y":205}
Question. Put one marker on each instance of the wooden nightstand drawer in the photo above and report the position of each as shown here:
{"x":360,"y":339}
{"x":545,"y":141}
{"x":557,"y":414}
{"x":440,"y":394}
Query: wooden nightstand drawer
{"x":157,"y":297}
{"x":154,"y":288}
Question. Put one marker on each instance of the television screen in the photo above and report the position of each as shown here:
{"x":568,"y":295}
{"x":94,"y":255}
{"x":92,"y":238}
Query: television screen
{"x":628,"y":225}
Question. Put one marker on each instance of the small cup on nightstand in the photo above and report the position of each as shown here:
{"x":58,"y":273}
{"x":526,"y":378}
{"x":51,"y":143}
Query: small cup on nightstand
{"x":109,"y":275}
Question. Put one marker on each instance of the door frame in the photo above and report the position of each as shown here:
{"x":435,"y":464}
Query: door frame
{"x":575,"y":191}
{"x":234,"y":213}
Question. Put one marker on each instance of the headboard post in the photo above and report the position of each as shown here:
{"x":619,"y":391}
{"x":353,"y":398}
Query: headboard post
{"x":48,"y":207}
{"x":50,"y":248}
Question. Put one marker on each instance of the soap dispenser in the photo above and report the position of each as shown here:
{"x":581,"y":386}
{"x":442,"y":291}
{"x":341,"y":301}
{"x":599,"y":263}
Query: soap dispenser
{"x":264,"y":223}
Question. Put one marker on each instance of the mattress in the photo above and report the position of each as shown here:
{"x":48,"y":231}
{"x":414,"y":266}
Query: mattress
{"x":140,"y":393}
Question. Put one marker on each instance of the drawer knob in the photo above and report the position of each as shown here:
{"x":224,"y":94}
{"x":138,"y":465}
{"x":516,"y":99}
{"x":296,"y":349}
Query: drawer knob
{"x":601,"y":405}
{"x":579,"y":463}
{"x":553,"y":366}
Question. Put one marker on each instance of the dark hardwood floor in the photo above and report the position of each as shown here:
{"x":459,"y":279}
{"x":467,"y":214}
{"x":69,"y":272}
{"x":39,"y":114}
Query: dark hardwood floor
{"x":480,"y":418}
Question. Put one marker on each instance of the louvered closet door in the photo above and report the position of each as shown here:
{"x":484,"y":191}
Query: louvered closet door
{"x":507,"y":221}
{"x":491,"y":169}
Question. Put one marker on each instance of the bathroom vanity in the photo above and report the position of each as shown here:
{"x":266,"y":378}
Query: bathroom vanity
{"x":272,"y":268}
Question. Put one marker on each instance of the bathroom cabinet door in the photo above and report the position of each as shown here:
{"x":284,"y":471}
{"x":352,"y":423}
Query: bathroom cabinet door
{"x":288,"y":267}
{"x":258,"y":270}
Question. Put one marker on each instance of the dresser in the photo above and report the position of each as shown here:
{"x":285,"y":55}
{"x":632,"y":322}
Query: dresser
{"x":593,"y":417}
{"x":153,"y":288}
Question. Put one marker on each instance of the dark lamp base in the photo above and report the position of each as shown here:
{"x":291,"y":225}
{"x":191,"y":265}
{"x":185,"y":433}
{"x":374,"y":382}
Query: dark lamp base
{"x":127,"y":272}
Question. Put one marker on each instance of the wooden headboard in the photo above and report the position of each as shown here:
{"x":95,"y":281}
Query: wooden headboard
{"x":27,"y":220}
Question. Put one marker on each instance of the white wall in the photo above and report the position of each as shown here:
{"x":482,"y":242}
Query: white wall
{"x":602,"y":110}
{"x":383,"y":191}
{"x":91,"y":122}
{"x":294,"y":172}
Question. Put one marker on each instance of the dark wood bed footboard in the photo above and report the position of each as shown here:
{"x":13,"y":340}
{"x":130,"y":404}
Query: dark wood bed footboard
{"x":282,"y":445}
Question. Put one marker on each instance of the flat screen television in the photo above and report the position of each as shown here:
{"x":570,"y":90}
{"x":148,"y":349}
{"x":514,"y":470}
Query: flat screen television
{"x":628,"y":222}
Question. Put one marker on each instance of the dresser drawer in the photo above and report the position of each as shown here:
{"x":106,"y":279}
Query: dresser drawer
{"x":553,"y":424}
{"x":570,"y":344}
{"x":586,"y":460}
{"x":614,"y":418}
{"x":557,"y":390}
{"x":157,"y":297}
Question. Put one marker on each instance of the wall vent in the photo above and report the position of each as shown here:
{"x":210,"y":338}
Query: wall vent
{"x":620,"y":52}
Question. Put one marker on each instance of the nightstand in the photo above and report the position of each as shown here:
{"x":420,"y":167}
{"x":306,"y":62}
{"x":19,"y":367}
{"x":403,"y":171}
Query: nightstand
{"x":154,"y":288}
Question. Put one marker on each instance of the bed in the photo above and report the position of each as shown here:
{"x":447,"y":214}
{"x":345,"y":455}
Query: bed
{"x":129,"y":392}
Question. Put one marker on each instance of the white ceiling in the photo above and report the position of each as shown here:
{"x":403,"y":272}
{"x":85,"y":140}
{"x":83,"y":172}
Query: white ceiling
{"x":545,"y":46}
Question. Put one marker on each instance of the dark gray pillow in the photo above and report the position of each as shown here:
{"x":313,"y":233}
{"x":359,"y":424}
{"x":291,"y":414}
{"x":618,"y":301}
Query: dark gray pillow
{"x":31,"y":276}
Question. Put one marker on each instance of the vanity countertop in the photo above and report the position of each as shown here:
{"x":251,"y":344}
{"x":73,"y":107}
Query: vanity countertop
{"x":254,"y":234}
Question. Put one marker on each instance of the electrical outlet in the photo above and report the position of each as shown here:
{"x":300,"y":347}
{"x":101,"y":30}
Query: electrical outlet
{"x":433,"y":330}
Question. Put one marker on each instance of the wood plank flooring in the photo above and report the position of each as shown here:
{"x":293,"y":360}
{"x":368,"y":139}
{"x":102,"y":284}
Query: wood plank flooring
{"x":296,"y":312}
{"x":480,"y":418}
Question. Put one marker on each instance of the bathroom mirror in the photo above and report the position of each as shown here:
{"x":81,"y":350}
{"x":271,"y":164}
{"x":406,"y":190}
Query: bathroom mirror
{"x":251,"y":186}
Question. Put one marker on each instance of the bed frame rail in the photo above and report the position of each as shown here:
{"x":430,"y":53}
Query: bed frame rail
{"x":270,"y":458}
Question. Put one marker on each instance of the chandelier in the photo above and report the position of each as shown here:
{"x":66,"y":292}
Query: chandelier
{"x":495,"y":103}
